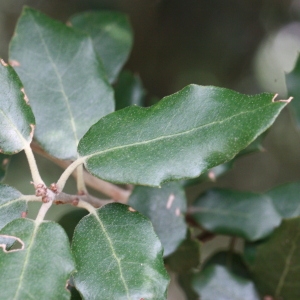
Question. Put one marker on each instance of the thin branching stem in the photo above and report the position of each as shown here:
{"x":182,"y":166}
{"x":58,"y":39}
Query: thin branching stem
{"x":33,"y":166}
{"x":81,"y":187}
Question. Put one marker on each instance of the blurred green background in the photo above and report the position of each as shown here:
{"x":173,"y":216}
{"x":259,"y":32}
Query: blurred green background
{"x":244,"y":45}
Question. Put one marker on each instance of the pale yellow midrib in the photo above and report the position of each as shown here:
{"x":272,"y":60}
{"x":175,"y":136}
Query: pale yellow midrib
{"x":173,"y":135}
{"x":286,"y":267}
{"x":24,"y":141}
{"x":62,"y":90}
{"x":113,"y":252}
{"x":26,"y":260}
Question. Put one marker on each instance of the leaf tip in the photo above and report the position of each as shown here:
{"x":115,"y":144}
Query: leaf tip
{"x":285,"y":101}
{"x":14,"y":63}
{"x":32,"y":126}
{"x":3,"y":63}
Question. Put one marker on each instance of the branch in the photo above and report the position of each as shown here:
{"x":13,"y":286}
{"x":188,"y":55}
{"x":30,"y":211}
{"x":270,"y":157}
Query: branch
{"x":63,"y":198}
{"x":97,"y":184}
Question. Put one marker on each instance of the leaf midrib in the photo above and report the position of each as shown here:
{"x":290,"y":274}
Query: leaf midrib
{"x":23,"y":140}
{"x":175,"y":134}
{"x":287,"y":265}
{"x":62,"y":90}
{"x":94,"y":212}
{"x":27,"y":256}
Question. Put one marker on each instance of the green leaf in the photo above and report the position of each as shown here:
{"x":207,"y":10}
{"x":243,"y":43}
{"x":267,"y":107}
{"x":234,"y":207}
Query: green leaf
{"x":12,"y":204}
{"x":39,"y":269}
{"x":63,"y":78}
{"x":216,"y":282}
{"x":286,"y":199}
{"x":248,"y":215}
{"x":232,"y":261}
{"x":4,"y":161}
{"x":186,"y":257}
{"x":185,"y":282}
{"x":292,"y":82}
{"x":112,"y":37}
{"x":165,"y":207}
{"x":16,"y":117}
{"x":118,"y":256}
{"x":129,"y":90}
{"x":182,"y":136}
{"x":276,"y":266}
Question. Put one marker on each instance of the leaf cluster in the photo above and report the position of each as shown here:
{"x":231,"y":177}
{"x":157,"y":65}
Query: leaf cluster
{"x":65,"y":96}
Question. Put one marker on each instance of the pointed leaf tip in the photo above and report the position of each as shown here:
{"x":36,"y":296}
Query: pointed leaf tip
{"x":180,"y":137}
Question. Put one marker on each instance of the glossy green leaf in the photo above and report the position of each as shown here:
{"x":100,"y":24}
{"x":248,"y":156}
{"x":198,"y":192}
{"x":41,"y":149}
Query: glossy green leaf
{"x":16,"y":117}
{"x":182,"y":136}
{"x":286,"y":199}
{"x":112,"y":37}
{"x":63,"y":78}
{"x":165,"y":207}
{"x":4,"y":161}
{"x":248,"y":215}
{"x":118,"y":256}
{"x":216,"y":282}
{"x":40,"y":268}
{"x":293,"y":87}
{"x":11,"y":204}
{"x":129,"y":90}
{"x":276,"y":266}
{"x":186,"y":257}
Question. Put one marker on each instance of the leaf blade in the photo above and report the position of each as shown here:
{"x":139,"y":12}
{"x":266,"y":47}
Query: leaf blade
{"x":180,"y":137}
{"x":131,"y":258}
{"x":165,"y":207}
{"x":11,"y":204}
{"x":63,"y":79}
{"x":275,"y":268}
{"x":248,"y":215}
{"x":17,"y":120}
{"x":41,"y":267}
{"x":112,"y":37}
{"x":216,"y":282}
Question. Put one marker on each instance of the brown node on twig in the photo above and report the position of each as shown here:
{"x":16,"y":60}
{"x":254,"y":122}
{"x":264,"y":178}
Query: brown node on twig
{"x":14,"y":63}
{"x":23,"y":214}
{"x":54,"y":188}
{"x":3,"y":63}
{"x":75,"y":201}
